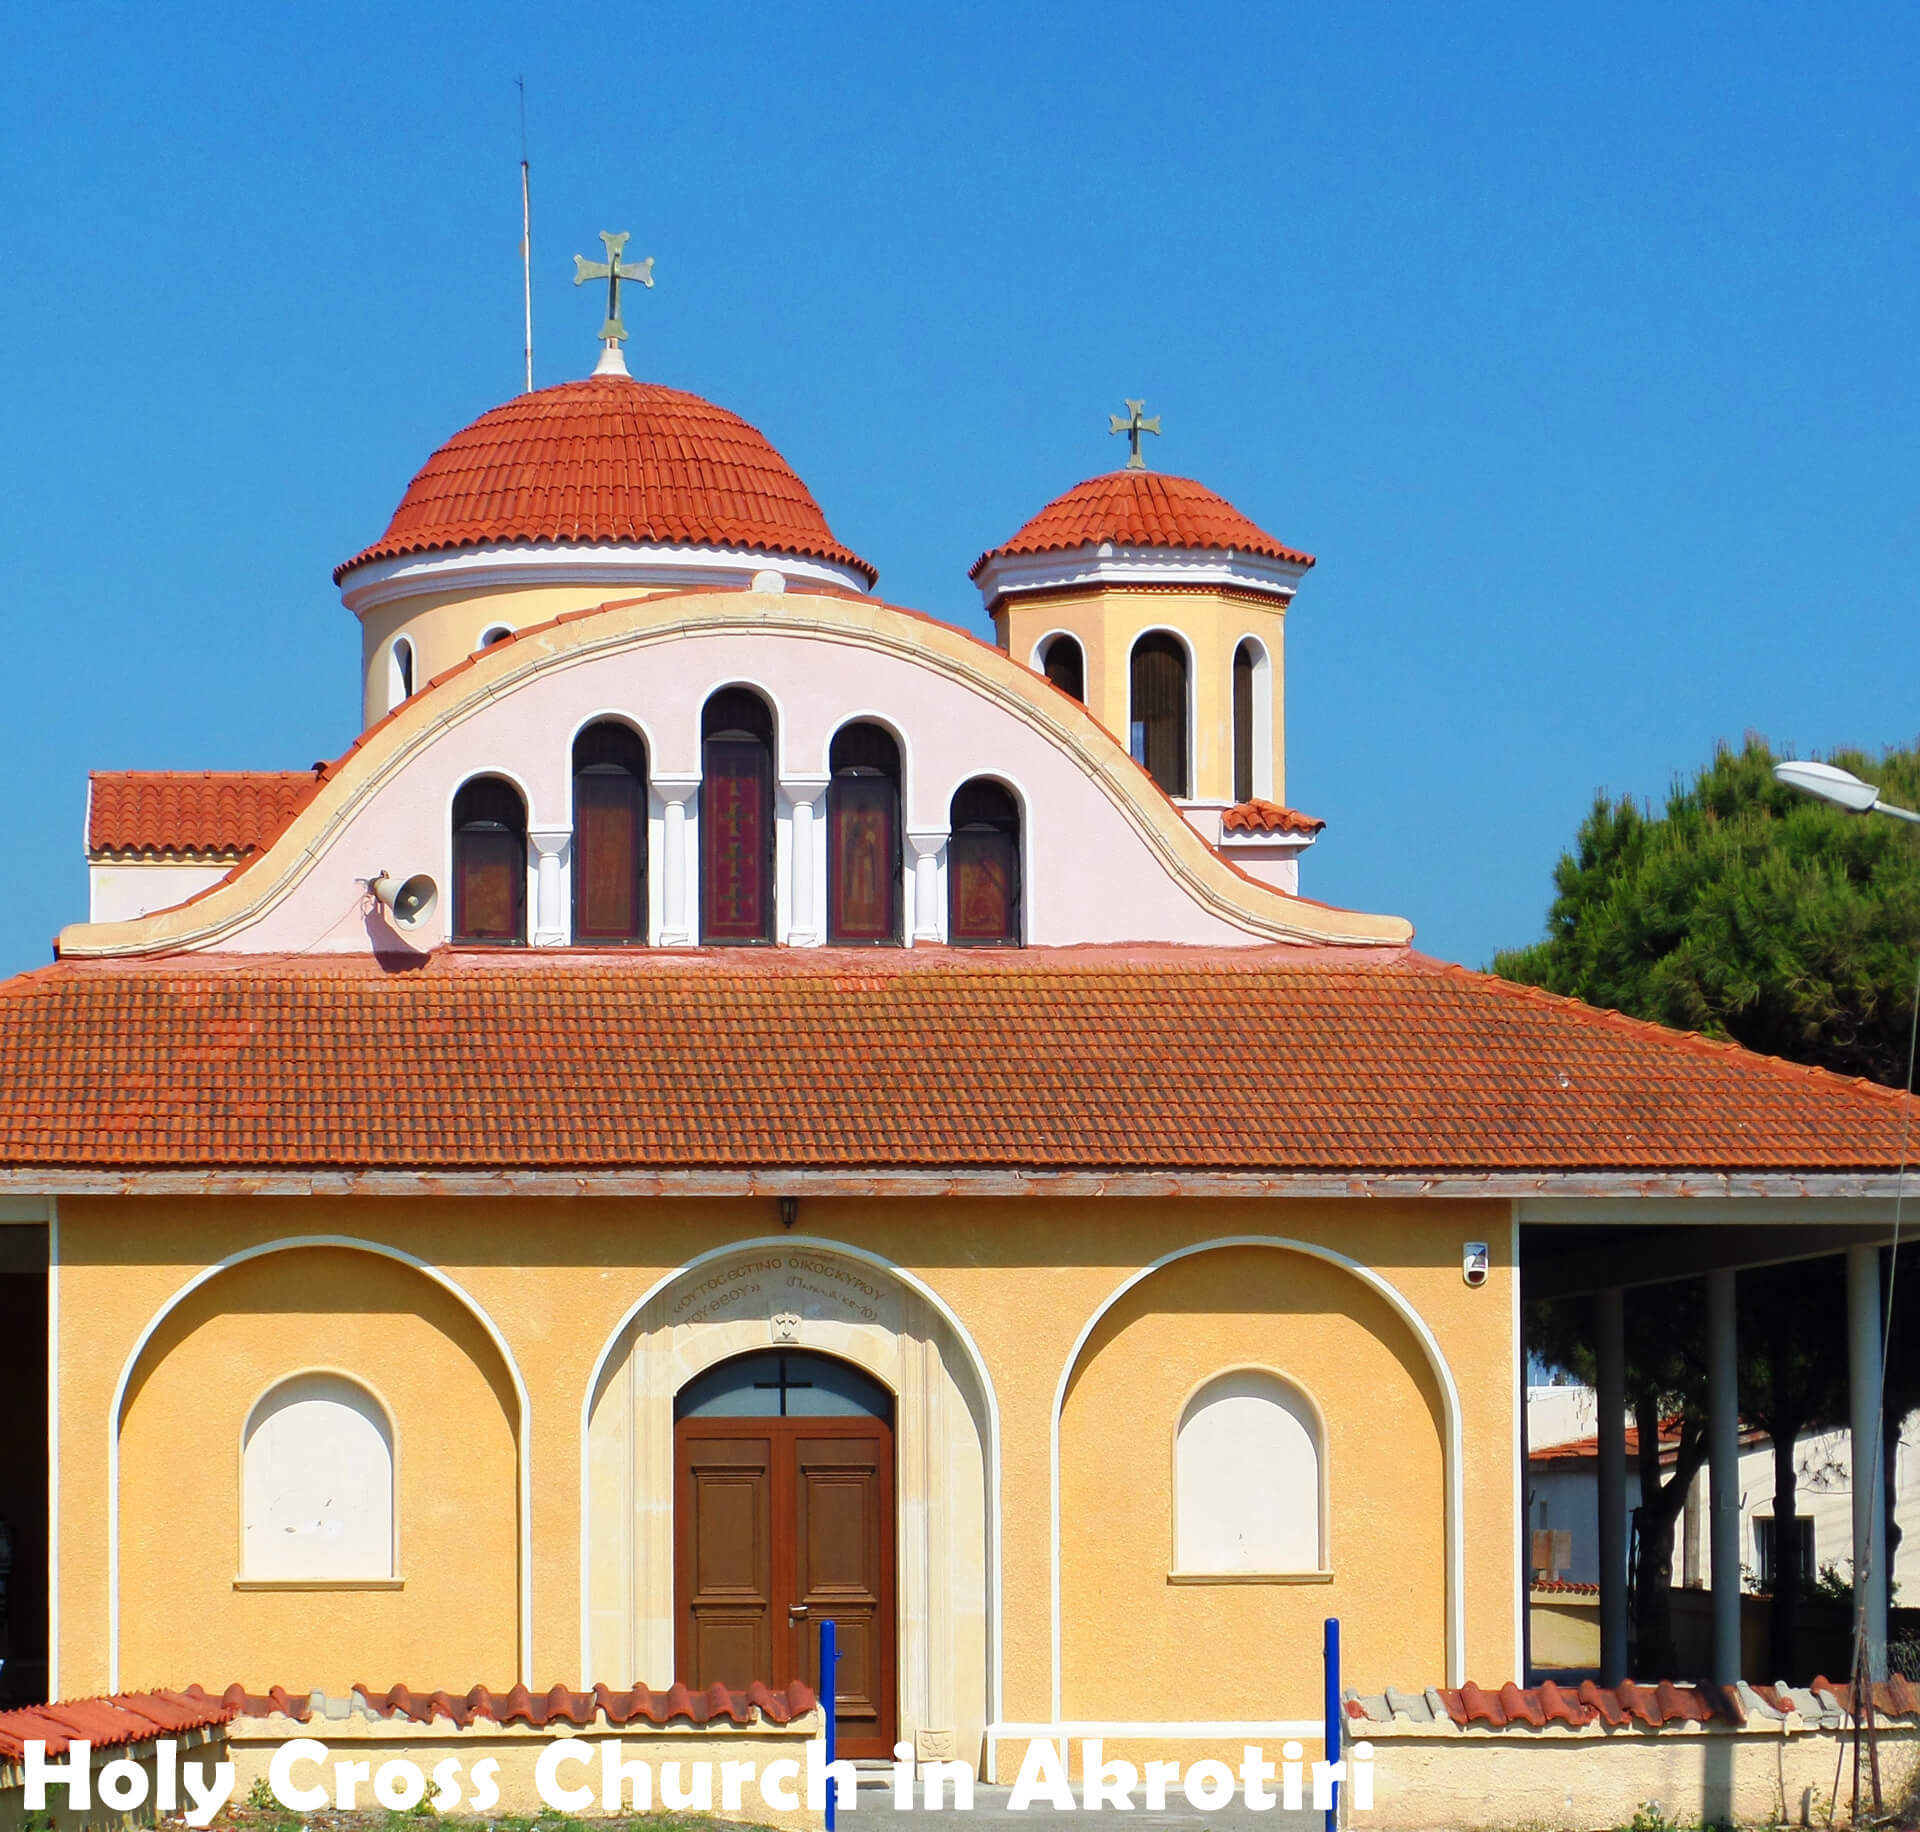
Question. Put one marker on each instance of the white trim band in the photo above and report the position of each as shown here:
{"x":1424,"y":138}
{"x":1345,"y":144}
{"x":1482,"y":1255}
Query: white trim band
{"x":1012,"y":575}
{"x":629,"y":566}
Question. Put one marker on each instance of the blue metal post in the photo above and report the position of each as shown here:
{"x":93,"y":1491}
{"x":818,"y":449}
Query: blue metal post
{"x":1333,"y":1715}
{"x":830,"y":1704}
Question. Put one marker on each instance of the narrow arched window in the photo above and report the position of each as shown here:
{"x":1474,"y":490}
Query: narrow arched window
{"x":1066,"y":666}
{"x":983,"y":867}
{"x":316,"y":1483}
{"x":489,"y":862}
{"x":863,"y":836}
{"x":399,"y":672}
{"x":1157,"y":712}
{"x":1244,"y":664}
{"x":1247,"y":1476}
{"x":736,"y":818}
{"x":609,"y":835}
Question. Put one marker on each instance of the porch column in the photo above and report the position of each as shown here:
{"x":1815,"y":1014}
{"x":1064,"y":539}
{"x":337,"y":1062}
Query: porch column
{"x":1610,"y":1351}
{"x":549,"y":903}
{"x":1864,"y":1324}
{"x":1723,"y":1473}
{"x":676,"y":912}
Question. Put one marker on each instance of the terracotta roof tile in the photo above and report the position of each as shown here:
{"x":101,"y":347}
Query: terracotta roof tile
{"x":126,"y":1717}
{"x":204,"y":813}
{"x":1258,"y":816}
{"x":1141,"y":509}
{"x":609,"y":459}
{"x":555,"y":1706}
{"x":840,"y":1059}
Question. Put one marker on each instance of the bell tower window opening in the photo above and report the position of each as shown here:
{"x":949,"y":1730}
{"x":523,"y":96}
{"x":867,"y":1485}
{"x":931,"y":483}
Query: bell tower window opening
{"x":736,"y":819}
{"x":610,"y":835}
{"x":399,"y":672}
{"x":490,"y":863}
{"x":863,"y":837}
{"x":1244,"y":665}
{"x":1157,"y":710}
{"x":1065,"y":665}
{"x":983,"y":867}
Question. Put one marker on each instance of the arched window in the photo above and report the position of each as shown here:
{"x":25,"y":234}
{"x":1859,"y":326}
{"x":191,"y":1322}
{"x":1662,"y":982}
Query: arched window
{"x":783,"y":1383}
{"x":1244,"y":663}
{"x":609,"y":834}
{"x":489,"y":862}
{"x":736,"y":818}
{"x":983,"y":867}
{"x":1247,"y":1475}
{"x":495,"y":632}
{"x":863,"y":836}
{"x":1066,"y":666}
{"x":316,"y":1483}
{"x":399,"y":672}
{"x":1157,"y":714}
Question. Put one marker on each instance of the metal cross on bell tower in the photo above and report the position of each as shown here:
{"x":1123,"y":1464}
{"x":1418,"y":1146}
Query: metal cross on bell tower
{"x":612,"y":270}
{"x":1133,"y":426}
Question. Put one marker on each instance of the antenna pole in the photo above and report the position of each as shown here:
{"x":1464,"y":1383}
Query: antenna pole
{"x":526,"y":232}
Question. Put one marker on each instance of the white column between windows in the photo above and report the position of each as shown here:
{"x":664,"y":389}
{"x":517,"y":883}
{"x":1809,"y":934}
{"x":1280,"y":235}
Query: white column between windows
{"x":806,"y":900}
{"x":927,"y":848}
{"x":677,"y":908}
{"x":550,"y":898}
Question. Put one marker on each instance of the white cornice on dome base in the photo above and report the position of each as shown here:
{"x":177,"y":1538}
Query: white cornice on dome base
{"x":1091,"y":567}
{"x":630,"y":565}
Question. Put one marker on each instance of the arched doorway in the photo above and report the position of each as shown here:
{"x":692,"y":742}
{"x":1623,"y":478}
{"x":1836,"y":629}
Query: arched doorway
{"x":784,"y":1510}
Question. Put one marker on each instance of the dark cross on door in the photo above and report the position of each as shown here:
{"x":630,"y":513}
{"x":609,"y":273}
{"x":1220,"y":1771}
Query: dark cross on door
{"x":1133,"y":426}
{"x":784,"y":1384}
{"x":612,"y":270}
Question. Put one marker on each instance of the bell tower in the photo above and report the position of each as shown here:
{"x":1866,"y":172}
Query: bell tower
{"x":1162,"y":609}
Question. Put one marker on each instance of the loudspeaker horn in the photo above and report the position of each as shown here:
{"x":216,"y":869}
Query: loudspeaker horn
{"x":411,"y":903}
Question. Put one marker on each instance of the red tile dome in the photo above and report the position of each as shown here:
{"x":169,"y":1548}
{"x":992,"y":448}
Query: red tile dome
{"x":1141,"y":509}
{"x":609,"y":459}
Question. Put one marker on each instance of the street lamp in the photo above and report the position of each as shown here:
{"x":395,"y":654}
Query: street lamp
{"x":1828,"y":783}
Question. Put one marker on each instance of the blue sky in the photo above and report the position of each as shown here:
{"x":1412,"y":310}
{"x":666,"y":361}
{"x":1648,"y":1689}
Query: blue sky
{"x":1578,"y":344}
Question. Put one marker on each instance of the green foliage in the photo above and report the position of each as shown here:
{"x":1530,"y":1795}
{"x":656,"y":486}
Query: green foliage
{"x":260,"y":1796}
{"x":1747,"y":911}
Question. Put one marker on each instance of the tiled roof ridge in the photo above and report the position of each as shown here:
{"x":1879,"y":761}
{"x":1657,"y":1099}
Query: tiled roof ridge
{"x":1686,"y":1039}
{"x":608,"y":460}
{"x":1649,"y":1704}
{"x":522,"y":1705}
{"x":219,"y":814}
{"x":1108,"y":507}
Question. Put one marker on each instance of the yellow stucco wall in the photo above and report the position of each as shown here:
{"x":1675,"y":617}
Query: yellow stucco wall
{"x":185,"y":1616}
{"x":1342,"y":1346}
{"x":1108,"y":622}
{"x":558,"y":1277}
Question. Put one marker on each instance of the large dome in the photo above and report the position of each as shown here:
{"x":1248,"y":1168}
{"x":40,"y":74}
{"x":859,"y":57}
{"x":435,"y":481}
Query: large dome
{"x":609,"y":461}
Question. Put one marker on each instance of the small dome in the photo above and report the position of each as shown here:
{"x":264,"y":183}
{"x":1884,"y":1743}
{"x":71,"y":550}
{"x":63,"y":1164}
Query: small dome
{"x":1141,"y":509}
{"x":609,"y":460}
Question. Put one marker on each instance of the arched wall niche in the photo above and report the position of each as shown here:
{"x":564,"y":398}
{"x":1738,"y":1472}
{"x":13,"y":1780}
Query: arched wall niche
{"x":1328,"y":1335}
{"x":185,"y":1601}
{"x":806,"y":1295}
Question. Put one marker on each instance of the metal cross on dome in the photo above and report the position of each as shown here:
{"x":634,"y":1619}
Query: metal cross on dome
{"x":1133,"y":426}
{"x":612,"y":270}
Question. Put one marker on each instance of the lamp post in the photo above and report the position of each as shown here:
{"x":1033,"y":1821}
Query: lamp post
{"x":1827,"y":782}
{"x":1865,"y":1322}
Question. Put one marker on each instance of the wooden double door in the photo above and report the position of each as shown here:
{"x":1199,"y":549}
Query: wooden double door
{"x":784,"y":1518}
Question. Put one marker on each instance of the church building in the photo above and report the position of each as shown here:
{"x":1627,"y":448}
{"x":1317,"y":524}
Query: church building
{"x":732,"y":1102}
